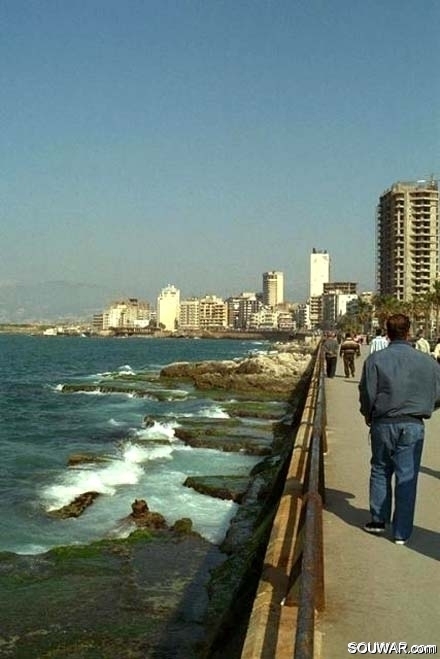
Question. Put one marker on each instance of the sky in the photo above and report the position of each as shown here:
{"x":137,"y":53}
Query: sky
{"x":201,"y":143}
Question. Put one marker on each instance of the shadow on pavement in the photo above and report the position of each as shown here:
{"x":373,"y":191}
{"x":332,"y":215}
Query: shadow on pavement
{"x":422,"y":540}
{"x":430,"y":472}
{"x":337,"y":502}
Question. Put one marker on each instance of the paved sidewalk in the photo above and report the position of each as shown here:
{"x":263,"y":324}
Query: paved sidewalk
{"x":376,"y":591}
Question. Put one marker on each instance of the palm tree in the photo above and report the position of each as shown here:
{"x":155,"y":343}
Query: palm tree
{"x":385,"y":306}
{"x":347,"y":323}
{"x":435,"y":299}
{"x":415,"y":309}
{"x":364,"y":315}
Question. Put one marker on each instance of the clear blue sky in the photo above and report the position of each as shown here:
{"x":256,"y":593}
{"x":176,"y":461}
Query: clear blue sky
{"x":201,"y":143}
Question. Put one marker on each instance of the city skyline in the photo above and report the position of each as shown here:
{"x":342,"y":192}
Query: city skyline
{"x":49,"y":301}
{"x":204,"y":144}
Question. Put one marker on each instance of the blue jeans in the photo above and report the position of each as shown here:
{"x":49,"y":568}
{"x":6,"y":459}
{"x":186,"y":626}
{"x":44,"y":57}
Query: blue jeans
{"x":396,"y":449}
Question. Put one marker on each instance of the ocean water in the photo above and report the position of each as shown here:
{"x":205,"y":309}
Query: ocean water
{"x":40,"y":427}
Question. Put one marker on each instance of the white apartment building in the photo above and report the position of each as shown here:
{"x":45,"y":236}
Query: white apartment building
{"x":115,"y":316}
{"x":189,"y":314}
{"x":273,"y":288}
{"x":240,"y":309}
{"x":319,"y":275}
{"x":126,"y":314}
{"x":315,"y":310}
{"x":264,"y":319}
{"x":285,"y":321}
{"x":319,"y":272}
{"x":168,"y":304}
{"x":213,"y":312}
{"x":302,"y":316}
{"x":335,"y":298}
{"x":336,"y":305}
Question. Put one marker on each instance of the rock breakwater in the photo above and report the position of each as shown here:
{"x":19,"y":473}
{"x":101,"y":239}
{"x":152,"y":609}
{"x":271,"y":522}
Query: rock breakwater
{"x":275,"y":372}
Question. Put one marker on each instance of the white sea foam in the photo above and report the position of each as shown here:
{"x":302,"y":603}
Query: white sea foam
{"x":104,"y":480}
{"x":31,"y":549}
{"x":154,"y":470}
{"x":98,"y":392}
{"x":136,"y":454}
{"x":210,"y":516}
{"x":158,"y":431}
{"x":214,"y":412}
{"x":126,"y":369}
{"x":176,"y":394}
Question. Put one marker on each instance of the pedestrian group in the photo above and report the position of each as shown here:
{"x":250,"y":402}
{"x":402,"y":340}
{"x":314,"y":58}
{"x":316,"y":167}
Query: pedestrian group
{"x":399,"y":388}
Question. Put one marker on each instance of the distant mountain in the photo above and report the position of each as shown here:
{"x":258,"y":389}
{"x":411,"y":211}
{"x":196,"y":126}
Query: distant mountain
{"x":52,"y":301}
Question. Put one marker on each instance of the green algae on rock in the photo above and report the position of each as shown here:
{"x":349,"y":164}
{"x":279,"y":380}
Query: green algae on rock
{"x":232,"y":487}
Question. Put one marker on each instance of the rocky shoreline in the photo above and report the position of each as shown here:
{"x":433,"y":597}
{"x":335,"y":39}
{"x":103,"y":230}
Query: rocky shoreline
{"x":167,"y":592}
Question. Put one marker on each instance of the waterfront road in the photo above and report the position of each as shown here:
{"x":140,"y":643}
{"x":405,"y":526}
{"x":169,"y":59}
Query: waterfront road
{"x":376,"y":591}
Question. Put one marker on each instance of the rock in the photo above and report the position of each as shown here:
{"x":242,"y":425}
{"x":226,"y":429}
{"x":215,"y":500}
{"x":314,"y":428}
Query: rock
{"x":85,"y":458}
{"x":182,"y":526}
{"x":148,"y":422}
{"x":143,"y":518}
{"x":227,"y":444}
{"x":277,"y":372}
{"x":76,"y":507}
{"x":139,"y":507}
{"x":189,"y":369}
{"x":124,"y":599}
{"x":232,"y":488}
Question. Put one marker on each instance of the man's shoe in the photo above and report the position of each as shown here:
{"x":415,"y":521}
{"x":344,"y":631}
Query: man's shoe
{"x":399,"y":541}
{"x":375,"y":527}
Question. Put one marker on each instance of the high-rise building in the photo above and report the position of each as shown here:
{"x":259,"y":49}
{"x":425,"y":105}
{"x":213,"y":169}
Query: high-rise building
{"x":336,"y":297}
{"x":189,"y":314}
{"x":408,"y":239}
{"x":340,"y":288}
{"x":273,"y":288}
{"x":168,"y":303}
{"x":126,"y":314}
{"x":240,"y":309}
{"x":319,"y":272}
{"x":319,"y":275}
{"x":213,"y":312}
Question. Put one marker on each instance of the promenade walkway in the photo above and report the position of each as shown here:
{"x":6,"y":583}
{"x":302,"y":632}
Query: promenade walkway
{"x":375,"y":591}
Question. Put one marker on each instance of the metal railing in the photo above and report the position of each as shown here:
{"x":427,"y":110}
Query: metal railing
{"x":310,"y":597}
{"x":291,"y":587}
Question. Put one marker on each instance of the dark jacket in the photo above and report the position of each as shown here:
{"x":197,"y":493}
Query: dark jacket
{"x":399,"y":383}
{"x":331,"y":347}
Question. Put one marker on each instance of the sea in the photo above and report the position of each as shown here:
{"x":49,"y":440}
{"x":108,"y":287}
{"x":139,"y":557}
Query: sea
{"x":40,"y":427}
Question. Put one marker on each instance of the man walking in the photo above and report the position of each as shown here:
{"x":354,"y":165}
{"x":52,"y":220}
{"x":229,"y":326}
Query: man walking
{"x":348,"y":351}
{"x":422,"y":344}
{"x":331,"y":348}
{"x":379,"y":342}
{"x":399,"y":387}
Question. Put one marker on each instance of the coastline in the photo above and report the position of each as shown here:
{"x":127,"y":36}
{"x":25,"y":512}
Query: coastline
{"x":84,"y":330}
{"x":153,"y":592}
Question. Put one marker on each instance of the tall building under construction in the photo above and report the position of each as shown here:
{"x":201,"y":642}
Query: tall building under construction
{"x":408,"y":239}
